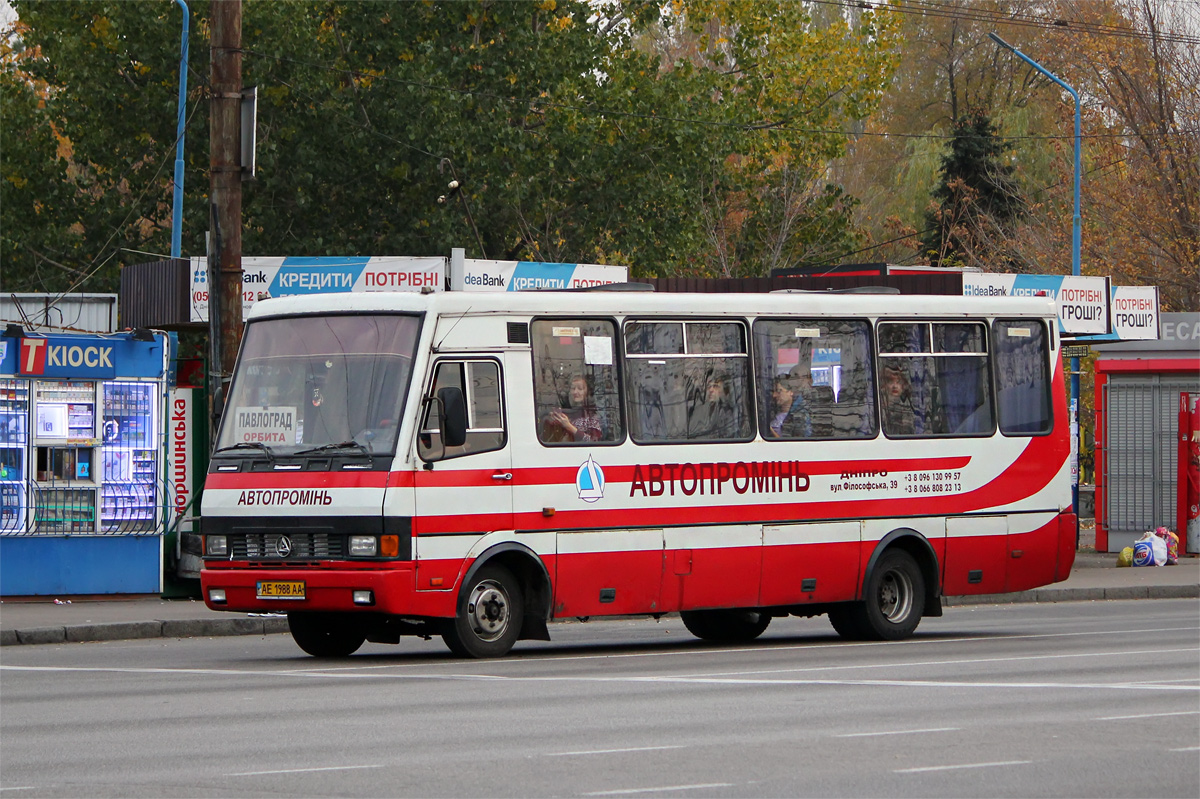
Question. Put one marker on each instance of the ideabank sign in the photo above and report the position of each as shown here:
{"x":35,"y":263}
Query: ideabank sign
{"x":1082,"y":301}
{"x":289,"y":277}
{"x":485,"y":275}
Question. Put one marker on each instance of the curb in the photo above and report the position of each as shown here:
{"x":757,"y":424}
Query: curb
{"x":1078,"y":595}
{"x":203,"y":628}
{"x":131,"y":630}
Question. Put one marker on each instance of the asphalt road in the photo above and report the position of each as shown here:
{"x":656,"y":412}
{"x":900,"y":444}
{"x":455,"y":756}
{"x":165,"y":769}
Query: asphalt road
{"x":1073,"y":699}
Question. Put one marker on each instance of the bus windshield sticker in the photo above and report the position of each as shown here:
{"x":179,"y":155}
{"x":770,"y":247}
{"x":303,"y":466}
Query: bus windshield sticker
{"x":565,"y":332}
{"x":597,"y":350}
{"x":808,"y":332}
{"x":1019,"y":332}
{"x":274,"y":424}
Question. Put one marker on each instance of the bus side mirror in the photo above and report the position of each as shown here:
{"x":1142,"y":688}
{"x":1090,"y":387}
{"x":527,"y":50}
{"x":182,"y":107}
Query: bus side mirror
{"x":218,"y":403}
{"x":452,"y":416}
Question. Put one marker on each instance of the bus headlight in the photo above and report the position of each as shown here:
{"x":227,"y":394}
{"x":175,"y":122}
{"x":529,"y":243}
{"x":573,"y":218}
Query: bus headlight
{"x":363,"y":546}
{"x":216,"y":545}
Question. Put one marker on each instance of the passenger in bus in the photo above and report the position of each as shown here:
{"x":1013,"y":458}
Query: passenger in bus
{"x":713,"y":418}
{"x":899,"y":416}
{"x":791,"y":419}
{"x":577,"y":422}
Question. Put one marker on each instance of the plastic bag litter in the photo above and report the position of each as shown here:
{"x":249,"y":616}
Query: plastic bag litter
{"x":1150,"y":550}
{"x":1172,"y":545}
{"x":1126,"y":557}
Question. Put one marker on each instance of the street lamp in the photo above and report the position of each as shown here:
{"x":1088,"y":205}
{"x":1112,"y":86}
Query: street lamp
{"x":177,"y":204}
{"x":1076,"y":237}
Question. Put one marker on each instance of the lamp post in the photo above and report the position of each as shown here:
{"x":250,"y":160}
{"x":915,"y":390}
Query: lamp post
{"x":1076,"y":238}
{"x":177,"y":203}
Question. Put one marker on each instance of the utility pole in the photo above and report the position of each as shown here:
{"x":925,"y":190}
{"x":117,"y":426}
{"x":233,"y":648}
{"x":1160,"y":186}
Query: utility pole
{"x":225,"y":176}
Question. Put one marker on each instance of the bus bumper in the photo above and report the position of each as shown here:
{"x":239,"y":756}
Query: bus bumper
{"x":391,"y":591}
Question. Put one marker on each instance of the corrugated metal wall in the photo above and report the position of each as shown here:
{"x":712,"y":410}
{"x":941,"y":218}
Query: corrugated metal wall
{"x":1141,"y":425}
{"x":157,"y":294}
{"x":50,"y":313}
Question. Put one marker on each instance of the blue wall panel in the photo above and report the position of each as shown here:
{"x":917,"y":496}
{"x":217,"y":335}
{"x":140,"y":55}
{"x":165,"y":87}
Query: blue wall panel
{"x":62,"y":566}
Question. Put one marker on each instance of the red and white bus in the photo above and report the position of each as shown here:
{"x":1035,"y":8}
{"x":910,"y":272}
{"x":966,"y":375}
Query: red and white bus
{"x":477,"y":465}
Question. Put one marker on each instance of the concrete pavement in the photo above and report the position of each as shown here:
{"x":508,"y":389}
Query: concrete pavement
{"x":47,"y":620}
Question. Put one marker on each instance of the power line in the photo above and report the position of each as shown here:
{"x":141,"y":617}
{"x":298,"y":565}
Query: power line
{"x":600,"y":112}
{"x":928,"y":8}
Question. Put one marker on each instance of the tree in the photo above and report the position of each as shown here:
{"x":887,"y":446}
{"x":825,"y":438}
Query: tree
{"x":976,"y":198}
{"x":568,"y":142}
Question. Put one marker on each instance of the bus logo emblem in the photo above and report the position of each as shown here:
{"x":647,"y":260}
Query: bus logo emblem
{"x":284,"y":546}
{"x":589,"y":481}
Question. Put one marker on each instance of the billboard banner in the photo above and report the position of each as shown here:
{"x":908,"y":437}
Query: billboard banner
{"x":484,"y":275}
{"x":1134,"y":312}
{"x":1082,"y":301}
{"x":264,"y":277}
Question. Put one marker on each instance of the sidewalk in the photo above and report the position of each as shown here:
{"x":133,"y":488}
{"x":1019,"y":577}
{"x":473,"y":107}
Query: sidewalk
{"x":43,"y":621}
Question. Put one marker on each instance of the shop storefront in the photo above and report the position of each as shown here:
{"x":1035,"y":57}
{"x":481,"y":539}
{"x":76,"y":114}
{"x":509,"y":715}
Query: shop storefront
{"x":1138,"y":384}
{"x":83,"y":497}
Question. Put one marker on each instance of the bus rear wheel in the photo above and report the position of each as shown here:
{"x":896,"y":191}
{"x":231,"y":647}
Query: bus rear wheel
{"x":325,"y":635}
{"x":725,"y":625}
{"x":893,"y":603}
{"x":490,"y":612}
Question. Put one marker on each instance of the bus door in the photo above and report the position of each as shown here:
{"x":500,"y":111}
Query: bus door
{"x":462,"y":492}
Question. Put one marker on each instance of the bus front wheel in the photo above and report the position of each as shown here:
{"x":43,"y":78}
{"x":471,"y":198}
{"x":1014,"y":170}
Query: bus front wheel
{"x":893,"y":602}
{"x":725,"y":625}
{"x":490,"y":611}
{"x":325,"y":635}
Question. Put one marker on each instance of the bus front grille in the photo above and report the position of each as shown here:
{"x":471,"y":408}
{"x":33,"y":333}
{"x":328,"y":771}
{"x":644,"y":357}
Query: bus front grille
{"x":297,"y":546}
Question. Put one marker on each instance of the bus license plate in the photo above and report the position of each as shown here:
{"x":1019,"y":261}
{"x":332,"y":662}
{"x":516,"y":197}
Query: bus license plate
{"x":290,"y":589}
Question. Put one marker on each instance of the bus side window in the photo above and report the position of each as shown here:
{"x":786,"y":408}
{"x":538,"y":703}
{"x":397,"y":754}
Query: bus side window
{"x":480,"y":383}
{"x":575,"y":381}
{"x":687,"y":381}
{"x":1022,"y":359}
{"x":815,"y":379}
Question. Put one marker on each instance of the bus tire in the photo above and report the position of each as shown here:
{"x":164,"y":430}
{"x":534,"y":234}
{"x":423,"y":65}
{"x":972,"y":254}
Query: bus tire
{"x":894,"y":598}
{"x":726,"y":625}
{"x":325,"y":635}
{"x":490,"y":612}
{"x":846,"y":620}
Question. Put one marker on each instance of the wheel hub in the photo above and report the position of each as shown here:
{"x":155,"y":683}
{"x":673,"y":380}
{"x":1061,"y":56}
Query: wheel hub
{"x":488,"y":610}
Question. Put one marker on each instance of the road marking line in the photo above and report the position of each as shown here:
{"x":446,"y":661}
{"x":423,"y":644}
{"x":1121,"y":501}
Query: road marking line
{"x":682,"y":680}
{"x":22,"y":788}
{"x":961,"y":766}
{"x":1186,"y":749}
{"x":963,"y":661}
{"x":664,"y":788}
{"x":300,"y":770}
{"x":1149,"y":715}
{"x":613,"y":751}
{"x":896,"y":732}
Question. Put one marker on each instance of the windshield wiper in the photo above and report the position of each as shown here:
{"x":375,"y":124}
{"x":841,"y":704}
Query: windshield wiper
{"x":248,"y":445}
{"x":331,"y":447}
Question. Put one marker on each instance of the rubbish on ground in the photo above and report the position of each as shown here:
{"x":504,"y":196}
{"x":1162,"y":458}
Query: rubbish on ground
{"x":1172,"y":544}
{"x":1150,"y":550}
{"x":1126,"y":557}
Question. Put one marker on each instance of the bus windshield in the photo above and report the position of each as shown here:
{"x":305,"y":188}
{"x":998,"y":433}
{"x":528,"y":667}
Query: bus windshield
{"x":328,"y":382}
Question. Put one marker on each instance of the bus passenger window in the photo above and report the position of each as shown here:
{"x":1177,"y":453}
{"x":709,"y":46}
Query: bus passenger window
{"x":814,"y":379}
{"x":687,"y":381}
{"x":934,"y":379}
{"x":575,"y":381}
{"x":480,"y":383}
{"x":1022,"y":376}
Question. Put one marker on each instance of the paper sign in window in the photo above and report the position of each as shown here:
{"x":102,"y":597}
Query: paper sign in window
{"x":597,"y":350}
{"x":274,"y":424}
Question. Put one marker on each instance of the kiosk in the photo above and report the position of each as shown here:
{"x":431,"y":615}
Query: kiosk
{"x":82,"y":494}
